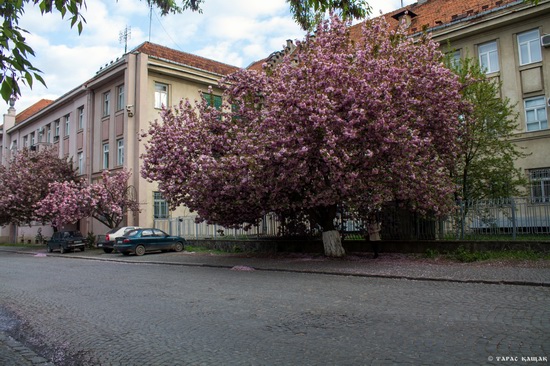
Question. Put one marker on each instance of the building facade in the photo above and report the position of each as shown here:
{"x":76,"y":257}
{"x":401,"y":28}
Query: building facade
{"x":511,"y":41}
{"x":98,"y":123}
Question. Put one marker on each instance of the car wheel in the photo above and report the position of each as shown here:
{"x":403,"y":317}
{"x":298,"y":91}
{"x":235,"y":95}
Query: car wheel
{"x":107,"y":250}
{"x":49,"y":249}
{"x":178,"y":247}
{"x":140,"y":250}
{"x":62,"y":250}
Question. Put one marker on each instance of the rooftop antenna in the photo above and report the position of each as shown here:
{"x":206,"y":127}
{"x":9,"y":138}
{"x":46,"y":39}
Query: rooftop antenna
{"x":150,"y":18}
{"x":124,"y":36}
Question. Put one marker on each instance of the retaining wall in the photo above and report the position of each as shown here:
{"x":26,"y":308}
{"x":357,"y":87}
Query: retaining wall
{"x":316,"y":246}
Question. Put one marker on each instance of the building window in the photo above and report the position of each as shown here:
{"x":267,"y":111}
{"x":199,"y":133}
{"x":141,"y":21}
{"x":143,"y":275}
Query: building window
{"x":81,"y":118}
{"x":488,"y":57}
{"x":105,"y":156}
{"x":160,"y":206}
{"x":535,"y":114}
{"x":120,"y":98}
{"x":106,"y":103}
{"x":48,"y":133}
{"x":120,"y":152}
{"x":56,"y":124}
{"x":161,"y":95}
{"x":67,"y":124}
{"x":529,"y":47}
{"x":32,"y":139}
{"x":213,"y":100}
{"x":80,"y":163}
{"x":540,"y":184}
{"x":25,"y":141}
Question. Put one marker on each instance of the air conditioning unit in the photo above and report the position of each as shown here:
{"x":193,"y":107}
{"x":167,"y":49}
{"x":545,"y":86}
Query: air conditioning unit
{"x":545,"y":40}
{"x":56,"y":138}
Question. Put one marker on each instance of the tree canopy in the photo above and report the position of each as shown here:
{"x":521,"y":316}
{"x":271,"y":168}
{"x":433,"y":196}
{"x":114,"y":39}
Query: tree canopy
{"x":486,"y":165}
{"x":24,"y":182}
{"x":337,"y":122}
{"x":108,"y":200}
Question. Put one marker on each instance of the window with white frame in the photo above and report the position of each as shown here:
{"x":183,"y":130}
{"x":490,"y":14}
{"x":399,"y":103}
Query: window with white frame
{"x":106,"y":103}
{"x":25,"y":141}
{"x":48,"y":133}
{"x":106,"y":156}
{"x":67,"y":124}
{"x":535,"y":114}
{"x":160,"y":206}
{"x":120,"y":98}
{"x":540,"y":184}
{"x":120,"y":152}
{"x":529,"y":47}
{"x":56,"y":125}
{"x":81,"y":118}
{"x":33,"y":141}
{"x":80,"y":158}
{"x":161,"y":95}
{"x":488,"y":57}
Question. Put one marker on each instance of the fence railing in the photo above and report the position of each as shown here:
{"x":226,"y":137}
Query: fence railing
{"x":509,"y":219}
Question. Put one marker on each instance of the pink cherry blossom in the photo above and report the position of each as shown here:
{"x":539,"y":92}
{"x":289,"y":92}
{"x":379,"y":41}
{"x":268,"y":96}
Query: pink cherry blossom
{"x":339,"y":122}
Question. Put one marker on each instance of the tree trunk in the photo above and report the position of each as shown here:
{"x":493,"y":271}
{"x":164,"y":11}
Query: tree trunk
{"x":332,"y":243}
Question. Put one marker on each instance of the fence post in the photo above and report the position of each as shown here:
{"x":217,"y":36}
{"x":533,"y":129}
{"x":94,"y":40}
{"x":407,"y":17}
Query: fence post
{"x":514,"y":224}
{"x":462,"y":218}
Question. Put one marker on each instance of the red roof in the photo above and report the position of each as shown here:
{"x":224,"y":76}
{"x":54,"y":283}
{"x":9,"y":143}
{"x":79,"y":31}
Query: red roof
{"x":33,"y":109}
{"x":434,"y":13}
{"x":199,"y":62}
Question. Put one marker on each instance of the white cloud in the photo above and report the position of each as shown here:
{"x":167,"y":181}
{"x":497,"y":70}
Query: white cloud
{"x":236,"y":32}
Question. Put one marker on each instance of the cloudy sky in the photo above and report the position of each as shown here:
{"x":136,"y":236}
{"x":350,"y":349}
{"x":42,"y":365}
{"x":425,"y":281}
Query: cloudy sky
{"x":237,"y":32}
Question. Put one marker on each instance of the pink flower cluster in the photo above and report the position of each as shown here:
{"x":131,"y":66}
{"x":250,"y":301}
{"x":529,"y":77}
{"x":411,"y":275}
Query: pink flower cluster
{"x":357,"y":123}
{"x":108,"y":200}
{"x":24,"y":181}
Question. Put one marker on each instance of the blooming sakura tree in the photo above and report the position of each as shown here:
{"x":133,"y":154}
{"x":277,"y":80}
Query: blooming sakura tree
{"x":338,"y":122}
{"x":107,"y":200}
{"x":24,"y":182}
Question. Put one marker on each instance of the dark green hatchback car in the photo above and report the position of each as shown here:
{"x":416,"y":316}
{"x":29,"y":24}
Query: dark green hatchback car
{"x":144,"y":240}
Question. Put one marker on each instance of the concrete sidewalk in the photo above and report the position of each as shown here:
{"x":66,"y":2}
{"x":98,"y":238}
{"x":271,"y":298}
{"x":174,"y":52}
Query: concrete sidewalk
{"x":392,"y":266}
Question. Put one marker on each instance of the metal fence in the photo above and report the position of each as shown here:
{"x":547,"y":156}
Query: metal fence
{"x":507,"y":219}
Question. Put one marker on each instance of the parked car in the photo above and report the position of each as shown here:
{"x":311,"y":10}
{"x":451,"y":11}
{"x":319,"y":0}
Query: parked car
{"x":144,"y":240}
{"x":111,"y":236}
{"x":66,"y":241}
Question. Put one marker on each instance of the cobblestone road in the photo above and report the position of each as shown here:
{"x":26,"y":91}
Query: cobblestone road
{"x":79,"y":312}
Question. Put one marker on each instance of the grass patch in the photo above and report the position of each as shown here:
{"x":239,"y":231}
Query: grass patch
{"x":461,"y":254}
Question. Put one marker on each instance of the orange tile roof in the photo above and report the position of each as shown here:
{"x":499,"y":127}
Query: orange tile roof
{"x":257,"y":65}
{"x":33,"y":109}
{"x":199,"y":62}
{"x":434,"y":13}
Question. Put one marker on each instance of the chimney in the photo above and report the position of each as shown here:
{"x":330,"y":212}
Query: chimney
{"x":9,"y":122}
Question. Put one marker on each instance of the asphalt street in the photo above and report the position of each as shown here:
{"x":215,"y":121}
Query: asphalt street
{"x":65,"y":310}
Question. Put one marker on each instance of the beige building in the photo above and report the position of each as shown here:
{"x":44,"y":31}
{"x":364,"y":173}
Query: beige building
{"x":98,"y":123}
{"x":511,"y":40}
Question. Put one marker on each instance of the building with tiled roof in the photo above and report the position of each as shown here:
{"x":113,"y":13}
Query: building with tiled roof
{"x":510,"y":39}
{"x":98,"y":123}
{"x":32,"y":110}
